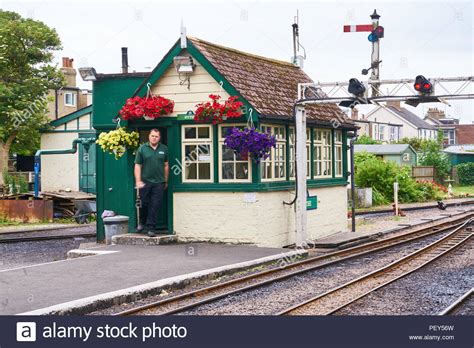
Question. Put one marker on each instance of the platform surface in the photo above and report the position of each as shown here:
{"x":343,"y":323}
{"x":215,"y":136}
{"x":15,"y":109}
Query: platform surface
{"x":39,"y":286}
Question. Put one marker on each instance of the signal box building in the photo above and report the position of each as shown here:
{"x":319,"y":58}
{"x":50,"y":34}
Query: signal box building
{"x":219,"y":196}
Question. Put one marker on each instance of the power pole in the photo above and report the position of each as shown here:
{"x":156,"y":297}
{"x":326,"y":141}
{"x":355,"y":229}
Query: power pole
{"x":376,"y":33}
{"x":375,"y":57}
{"x":301,"y":188}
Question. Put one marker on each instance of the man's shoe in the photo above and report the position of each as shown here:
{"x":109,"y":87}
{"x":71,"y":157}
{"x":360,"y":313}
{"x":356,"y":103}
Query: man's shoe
{"x":151,"y":234}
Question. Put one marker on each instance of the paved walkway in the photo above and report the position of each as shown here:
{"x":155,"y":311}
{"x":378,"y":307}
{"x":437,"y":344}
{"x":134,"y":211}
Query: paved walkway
{"x":36,"y":287}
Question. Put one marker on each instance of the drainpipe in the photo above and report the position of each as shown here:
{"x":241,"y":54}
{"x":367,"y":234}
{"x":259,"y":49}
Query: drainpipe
{"x":353,"y":137}
{"x":84,"y":141}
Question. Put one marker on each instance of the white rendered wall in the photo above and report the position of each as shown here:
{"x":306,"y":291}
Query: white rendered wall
{"x":59,"y":171}
{"x":226,"y":217}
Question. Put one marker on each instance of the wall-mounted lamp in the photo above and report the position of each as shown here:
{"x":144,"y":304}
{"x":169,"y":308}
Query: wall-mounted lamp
{"x":88,"y":74}
{"x":184,"y":64}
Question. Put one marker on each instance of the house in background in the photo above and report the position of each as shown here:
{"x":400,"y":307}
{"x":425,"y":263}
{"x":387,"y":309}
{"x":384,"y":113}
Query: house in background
{"x":438,"y":119}
{"x":380,"y":131}
{"x":393,"y":114}
{"x":69,"y":98}
{"x":71,"y":115}
{"x":402,"y":154}
{"x":464,"y":134}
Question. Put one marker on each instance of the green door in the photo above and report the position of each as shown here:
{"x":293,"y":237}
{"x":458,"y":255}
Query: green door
{"x":87,"y":168}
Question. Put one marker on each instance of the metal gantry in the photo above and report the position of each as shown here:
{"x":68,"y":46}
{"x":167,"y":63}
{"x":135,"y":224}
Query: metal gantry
{"x":443,"y":89}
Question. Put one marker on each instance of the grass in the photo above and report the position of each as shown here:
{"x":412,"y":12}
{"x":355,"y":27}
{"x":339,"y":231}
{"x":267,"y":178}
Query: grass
{"x":457,"y":190}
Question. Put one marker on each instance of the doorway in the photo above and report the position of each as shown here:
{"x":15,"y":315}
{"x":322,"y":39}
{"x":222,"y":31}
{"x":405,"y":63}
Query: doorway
{"x":162,"y":221}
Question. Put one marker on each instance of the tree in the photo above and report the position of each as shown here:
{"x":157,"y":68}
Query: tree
{"x":432,"y":155}
{"x":366,"y":140}
{"x":26,"y":75}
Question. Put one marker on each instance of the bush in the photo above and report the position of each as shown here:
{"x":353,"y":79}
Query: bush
{"x":432,"y":155}
{"x":431,"y":190}
{"x":366,"y":140}
{"x":466,"y":173}
{"x":380,"y":175}
{"x":15,"y":184}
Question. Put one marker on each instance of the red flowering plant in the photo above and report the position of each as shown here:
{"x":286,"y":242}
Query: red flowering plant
{"x":215,"y":111}
{"x":151,"y":106}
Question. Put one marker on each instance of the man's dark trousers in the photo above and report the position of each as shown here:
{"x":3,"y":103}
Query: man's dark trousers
{"x":151,"y":196}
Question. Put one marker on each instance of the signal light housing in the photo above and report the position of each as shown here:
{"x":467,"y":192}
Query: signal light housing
{"x":423,"y":85}
{"x":356,"y":87}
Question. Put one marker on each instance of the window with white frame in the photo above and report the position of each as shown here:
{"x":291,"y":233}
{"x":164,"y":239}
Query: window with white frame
{"x":69,"y":99}
{"x":197,"y":158}
{"x":291,"y":146}
{"x":322,"y":153}
{"x":338,"y":153}
{"x":274,"y":167}
{"x":233,"y":167}
{"x":392,"y":133}
{"x":381,"y":132}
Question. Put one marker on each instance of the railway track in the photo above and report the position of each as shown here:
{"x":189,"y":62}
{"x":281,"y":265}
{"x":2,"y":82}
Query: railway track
{"x":14,"y":237}
{"x":195,"y":298}
{"x":383,"y":212}
{"x":462,"y":301}
{"x":343,"y":296}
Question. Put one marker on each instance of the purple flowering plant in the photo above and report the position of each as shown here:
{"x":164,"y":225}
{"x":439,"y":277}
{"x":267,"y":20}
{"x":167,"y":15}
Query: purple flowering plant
{"x":249,"y":141}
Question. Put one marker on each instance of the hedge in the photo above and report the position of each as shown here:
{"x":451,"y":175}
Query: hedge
{"x":466,"y":173}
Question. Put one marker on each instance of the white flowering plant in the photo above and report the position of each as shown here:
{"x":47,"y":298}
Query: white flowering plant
{"x":118,"y":141}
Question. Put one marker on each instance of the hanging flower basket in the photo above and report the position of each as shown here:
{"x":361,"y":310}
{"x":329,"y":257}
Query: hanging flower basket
{"x":150,"y":107}
{"x":116,"y":142}
{"x":217,"y":112}
{"x":249,"y":141}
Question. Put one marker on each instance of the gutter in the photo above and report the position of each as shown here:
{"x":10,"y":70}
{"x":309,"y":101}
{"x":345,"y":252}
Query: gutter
{"x":86,"y":142}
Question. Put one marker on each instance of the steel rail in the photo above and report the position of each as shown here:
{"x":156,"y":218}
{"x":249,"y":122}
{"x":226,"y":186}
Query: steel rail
{"x":375,"y":280}
{"x":299,"y":267}
{"x":451,"y":309}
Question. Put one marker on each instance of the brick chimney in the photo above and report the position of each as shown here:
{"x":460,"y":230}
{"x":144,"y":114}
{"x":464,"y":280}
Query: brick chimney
{"x":354,"y":114}
{"x":435,"y":113}
{"x":69,"y":72}
{"x":394,"y":103}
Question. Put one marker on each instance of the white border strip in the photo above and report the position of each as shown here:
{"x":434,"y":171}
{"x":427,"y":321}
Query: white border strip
{"x":56,"y":309}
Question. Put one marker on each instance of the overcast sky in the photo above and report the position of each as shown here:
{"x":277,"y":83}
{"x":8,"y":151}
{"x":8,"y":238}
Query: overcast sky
{"x":421,"y":37}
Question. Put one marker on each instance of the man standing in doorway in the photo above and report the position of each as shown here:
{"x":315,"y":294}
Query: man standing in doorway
{"x":151,"y":178}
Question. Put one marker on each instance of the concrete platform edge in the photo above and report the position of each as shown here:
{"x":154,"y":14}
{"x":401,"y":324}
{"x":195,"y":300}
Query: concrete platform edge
{"x":89,"y":304}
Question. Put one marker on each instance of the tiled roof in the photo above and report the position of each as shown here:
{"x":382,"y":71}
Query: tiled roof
{"x":383,"y":149}
{"x":410,"y":117}
{"x":460,"y":149}
{"x":269,"y":85}
{"x":465,"y":134}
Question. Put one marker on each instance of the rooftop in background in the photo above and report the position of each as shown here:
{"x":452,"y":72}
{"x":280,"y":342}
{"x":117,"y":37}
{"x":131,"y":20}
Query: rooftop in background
{"x":384,"y":149}
{"x":461,"y":149}
{"x":410,"y":117}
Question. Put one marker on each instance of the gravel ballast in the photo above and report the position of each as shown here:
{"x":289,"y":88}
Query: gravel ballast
{"x":425,"y":292}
